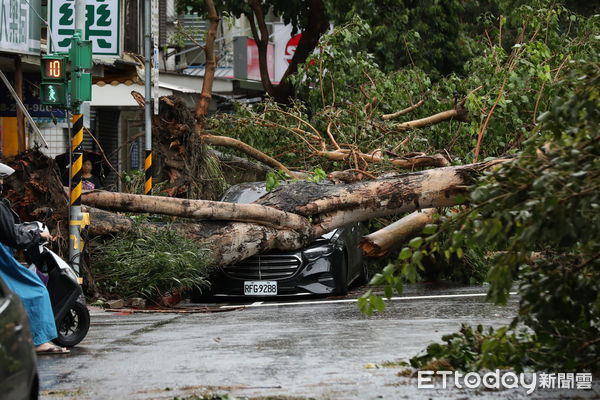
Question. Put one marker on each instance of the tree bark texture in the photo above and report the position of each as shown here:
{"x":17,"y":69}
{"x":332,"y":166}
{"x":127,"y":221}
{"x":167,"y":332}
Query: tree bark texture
{"x":436,"y":160}
{"x":460,"y":113}
{"x":328,"y":206}
{"x":197,"y":209}
{"x":211,"y":65}
{"x":231,"y":242}
{"x":278,"y":220}
{"x":180,"y":155}
{"x":104,"y":222}
{"x":386,"y":117}
{"x":249,"y":150}
{"x":308,"y":41}
{"x":378,"y":243}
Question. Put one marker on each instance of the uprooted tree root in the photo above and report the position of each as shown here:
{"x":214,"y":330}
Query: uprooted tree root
{"x":181,"y":156}
{"x":36,"y":186}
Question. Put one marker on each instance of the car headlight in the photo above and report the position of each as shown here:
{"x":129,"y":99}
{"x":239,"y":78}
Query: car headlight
{"x":314,"y":253}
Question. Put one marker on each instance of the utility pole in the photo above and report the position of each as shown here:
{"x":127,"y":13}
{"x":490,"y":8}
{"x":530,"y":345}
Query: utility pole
{"x":148,"y":113}
{"x":20,"y":116}
{"x":80,"y":55}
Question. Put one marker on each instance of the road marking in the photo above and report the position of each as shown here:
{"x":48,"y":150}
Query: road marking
{"x":399,"y":298}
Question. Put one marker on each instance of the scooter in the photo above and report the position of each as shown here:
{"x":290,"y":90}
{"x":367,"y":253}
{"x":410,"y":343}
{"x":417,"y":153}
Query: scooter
{"x":71,"y":316}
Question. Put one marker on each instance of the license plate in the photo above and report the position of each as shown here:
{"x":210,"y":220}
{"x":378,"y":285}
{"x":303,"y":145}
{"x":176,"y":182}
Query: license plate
{"x":260,"y":288}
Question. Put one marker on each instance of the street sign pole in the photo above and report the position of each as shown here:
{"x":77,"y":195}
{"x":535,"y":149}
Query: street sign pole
{"x":80,"y":55}
{"x":148,"y":112}
{"x":76,"y":217}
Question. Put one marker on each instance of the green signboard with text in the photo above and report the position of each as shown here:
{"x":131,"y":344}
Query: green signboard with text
{"x":102,"y":25}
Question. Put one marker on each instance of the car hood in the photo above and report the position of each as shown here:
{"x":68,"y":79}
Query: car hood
{"x":327,"y":237}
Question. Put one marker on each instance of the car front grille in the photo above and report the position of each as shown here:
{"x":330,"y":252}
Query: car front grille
{"x":265,"y":267}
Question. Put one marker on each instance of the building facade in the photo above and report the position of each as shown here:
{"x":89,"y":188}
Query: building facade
{"x":113,"y":119}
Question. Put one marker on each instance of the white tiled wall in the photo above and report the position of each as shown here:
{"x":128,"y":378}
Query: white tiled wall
{"x":57,"y":137}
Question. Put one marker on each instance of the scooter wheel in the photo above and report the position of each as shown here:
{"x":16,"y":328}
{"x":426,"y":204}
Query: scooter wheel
{"x":74,"y":325}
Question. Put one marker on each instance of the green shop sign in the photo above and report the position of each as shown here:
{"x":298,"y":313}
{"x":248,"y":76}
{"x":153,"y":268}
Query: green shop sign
{"x":20,"y":26}
{"x":102,"y":25}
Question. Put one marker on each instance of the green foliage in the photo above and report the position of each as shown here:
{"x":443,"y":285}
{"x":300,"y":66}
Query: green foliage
{"x":339,"y":51}
{"x":133,"y":182}
{"x":205,"y":179}
{"x":344,"y":92}
{"x":440,"y":37}
{"x":293,"y":12}
{"x":149,"y":263}
{"x":275,"y":179}
{"x":546,"y":200}
{"x":518,"y":66}
{"x":436,"y":36}
{"x":475,"y":349}
{"x":318,"y":175}
{"x":268,"y":127}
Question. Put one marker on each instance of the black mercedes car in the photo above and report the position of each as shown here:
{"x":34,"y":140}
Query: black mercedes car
{"x":325,"y":267}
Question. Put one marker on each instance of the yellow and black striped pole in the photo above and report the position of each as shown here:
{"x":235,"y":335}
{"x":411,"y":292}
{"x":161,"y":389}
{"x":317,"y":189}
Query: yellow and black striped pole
{"x":148,"y":170}
{"x":77,"y":159}
{"x":76,"y":216}
{"x":148,"y":96}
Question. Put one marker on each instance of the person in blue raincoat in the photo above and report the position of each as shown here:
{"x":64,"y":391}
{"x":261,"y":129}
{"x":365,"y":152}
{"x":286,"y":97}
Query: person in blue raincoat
{"x":23,"y":282}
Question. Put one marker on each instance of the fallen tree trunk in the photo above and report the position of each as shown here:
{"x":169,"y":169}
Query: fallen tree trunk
{"x":328,"y":206}
{"x":197,"y":209}
{"x":251,"y":151}
{"x":231,"y":242}
{"x":106,"y":223}
{"x":378,"y":243}
{"x":332,"y":206}
{"x":436,"y":160}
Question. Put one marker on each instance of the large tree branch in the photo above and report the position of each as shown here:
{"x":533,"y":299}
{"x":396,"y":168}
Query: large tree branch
{"x":385,"y":117}
{"x":329,"y":206}
{"x":251,"y":151}
{"x":459,"y":113}
{"x":262,"y":42}
{"x":211,"y":65}
{"x":436,"y":160}
{"x":231,"y":242}
{"x":380,"y":242}
{"x":308,"y":41}
{"x":198,"y":209}
{"x":399,"y":194}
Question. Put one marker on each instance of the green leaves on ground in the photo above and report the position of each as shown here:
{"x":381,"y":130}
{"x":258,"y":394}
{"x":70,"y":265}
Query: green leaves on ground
{"x":149,"y":263}
{"x":475,"y":349}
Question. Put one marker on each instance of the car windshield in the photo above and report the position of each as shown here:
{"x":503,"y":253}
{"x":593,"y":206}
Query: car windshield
{"x":246,"y":193}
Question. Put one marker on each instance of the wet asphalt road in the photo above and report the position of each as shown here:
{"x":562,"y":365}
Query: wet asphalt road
{"x":316,"y":349}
